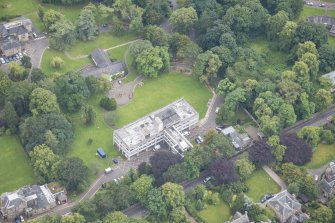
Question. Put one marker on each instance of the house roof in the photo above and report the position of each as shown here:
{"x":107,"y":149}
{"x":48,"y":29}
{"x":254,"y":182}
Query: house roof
{"x":112,"y":69}
{"x":238,"y":140}
{"x":3,"y":30}
{"x":240,"y":218}
{"x":17,"y":30}
{"x":330,"y":75}
{"x":9,"y":43}
{"x":100,"y":58}
{"x":285,"y":205}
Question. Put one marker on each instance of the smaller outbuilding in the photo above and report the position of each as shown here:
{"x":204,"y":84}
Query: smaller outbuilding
{"x":101,"y":153}
{"x":239,"y":141}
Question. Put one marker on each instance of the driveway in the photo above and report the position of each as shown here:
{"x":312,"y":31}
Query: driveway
{"x":275,"y":177}
{"x":317,"y":172}
{"x":35,"y":49}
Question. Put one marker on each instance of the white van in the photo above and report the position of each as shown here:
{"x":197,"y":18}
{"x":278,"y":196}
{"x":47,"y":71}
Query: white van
{"x":108,"y":170}
{"x":217,"y":110}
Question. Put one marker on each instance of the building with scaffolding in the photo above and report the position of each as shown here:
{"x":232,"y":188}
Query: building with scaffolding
{"x":164,"y":125}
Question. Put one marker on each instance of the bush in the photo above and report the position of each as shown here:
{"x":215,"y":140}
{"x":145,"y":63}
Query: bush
{"x":200,"y":205}
{"x":8,"y":132}
{"x":108,"y":104}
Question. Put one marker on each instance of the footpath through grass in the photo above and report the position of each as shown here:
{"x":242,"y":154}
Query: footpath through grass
{"x":103,"y":41}
{"x":216,"y":213}
{"x":259,"y":184}
{"x":156,"y":93}
{"x":68,"y":65}
{"x":15,"y":170}
{"x":102,"y":136}
{"x":323,"y":155}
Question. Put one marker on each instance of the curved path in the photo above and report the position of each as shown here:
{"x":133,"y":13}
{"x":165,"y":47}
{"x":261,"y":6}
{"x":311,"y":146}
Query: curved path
{"x":86,"y":55}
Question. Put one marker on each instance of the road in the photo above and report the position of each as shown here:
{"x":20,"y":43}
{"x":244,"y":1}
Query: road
{"x":318,"y":119}
{"x":316,"y":4}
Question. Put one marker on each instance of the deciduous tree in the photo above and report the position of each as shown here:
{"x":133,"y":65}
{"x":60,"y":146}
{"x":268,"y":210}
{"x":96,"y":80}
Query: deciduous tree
{"x":43,"y":101}
{"x":224,"y":171}
{"x":183,"y":19}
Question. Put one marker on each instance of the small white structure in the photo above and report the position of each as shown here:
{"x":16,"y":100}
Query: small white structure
{"x":163,"y":125}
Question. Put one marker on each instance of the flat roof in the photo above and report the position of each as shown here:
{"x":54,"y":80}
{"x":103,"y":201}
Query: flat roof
{"x":156,"y":122}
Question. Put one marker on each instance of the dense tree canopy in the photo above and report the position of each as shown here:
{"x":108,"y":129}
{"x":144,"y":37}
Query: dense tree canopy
{"x":298,"y":151}
{"x":223,"y":171}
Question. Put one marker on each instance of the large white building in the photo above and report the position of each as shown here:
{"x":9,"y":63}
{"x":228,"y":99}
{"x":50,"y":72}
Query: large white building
{"x":165,"y":124}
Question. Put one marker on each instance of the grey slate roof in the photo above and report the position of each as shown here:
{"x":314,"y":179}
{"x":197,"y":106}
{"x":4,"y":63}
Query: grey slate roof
{"x":285,"y":205}
{"x":9,"y":43}
{"x":18,"y":30}
{"x":327,"y":184}
{"x":240,"y":218}
{"x":113,"y":68}
{"x":100,"y":58}
{"x":3,"y":30}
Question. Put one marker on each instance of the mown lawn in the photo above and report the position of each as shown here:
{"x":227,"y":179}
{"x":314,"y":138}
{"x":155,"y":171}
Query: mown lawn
{"x":17,"y":7}
{"x":68,"y":63}
{"x":15,"y":170}
{"x":331,"y":41}
{"x":100,"y":133}
{"x":323,"y":155}
{"x":156,"y":93}
{"x":310,"y":11}
{"x":216,"y":213}
{"x":260,"y":184}
{"x":103,"y":41}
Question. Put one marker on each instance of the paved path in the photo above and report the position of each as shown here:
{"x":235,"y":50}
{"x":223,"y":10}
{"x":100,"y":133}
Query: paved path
{"x":317,"y":172}
{"x":275,"y":177}
{"x":123,"y":93}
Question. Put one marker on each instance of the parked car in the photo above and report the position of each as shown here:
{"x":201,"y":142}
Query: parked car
{"x":34,"y":35}
{"x":2,"y":60}
{"x":266,"y":197}
{"x":207,"y":179}
{"x":186,"y":133}
{"x":115,"y":161}
{"x":217,"y":110}
{"x":322,"y":5}
{"x":20,"y":55}
{"x":310,"y":3}
{"x":199,"y":140}
{"x":17,"y":57}
{"x":157,"y":147}
{"x":21,"y":218}
{"x":6,"y":60}
{"x":108,"y":170}
{"x":219,"y":129}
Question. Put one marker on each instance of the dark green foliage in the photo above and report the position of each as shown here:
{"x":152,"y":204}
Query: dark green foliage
{"x":297,"y":150}
{"x":307,"y":31}
{"x":223,"y":171}
{"x":72,"y":172}
{"x":26,"y":61}
{"x":260,"y":153}
{"x":108,"y":104}
{"x":156,"y":11}
{"x":10,"y":117}
{"x":37,"y":75}
{"x":33,"y":132}
{"x":327,"y":58}
{"x":71,"y":91}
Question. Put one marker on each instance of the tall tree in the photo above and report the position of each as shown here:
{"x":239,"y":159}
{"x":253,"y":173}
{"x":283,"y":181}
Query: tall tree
{"x":323,"y":99}
{"x":275,"y":24}
{"x":45,"y":162}
{"x":72,"y":172}
{"x":173,"y":195}
{"x":260,"y":153}
{"x":297,"y":150}
{"x":63,"y":36}
{"x":11,"y":118}
{"x":183,"y":19}
{"x":224,"y":171}
{"x":86,"y":28}
{"x":88,"y":114}
{"x":43,"y":101}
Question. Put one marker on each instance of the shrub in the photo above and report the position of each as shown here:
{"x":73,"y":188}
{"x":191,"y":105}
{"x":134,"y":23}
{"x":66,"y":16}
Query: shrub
{"x":108,"y":104}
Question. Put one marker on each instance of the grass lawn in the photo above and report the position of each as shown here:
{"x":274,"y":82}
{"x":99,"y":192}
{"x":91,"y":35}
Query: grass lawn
{"x":15,"y":170}
{"x":275,"y":59}
{"x":156,"y":93}
{"x":68,"y":63}
{"x":331,"y":41}
{"x":104,"y":41}
{"x":309,"y":11}
{"x":18,"y":7}
{"x":216,"y":213}
{"x":323,"y":155}
{"x":259,"y":184}
{"x":118,"y":53}
{"x":102,"y":136}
